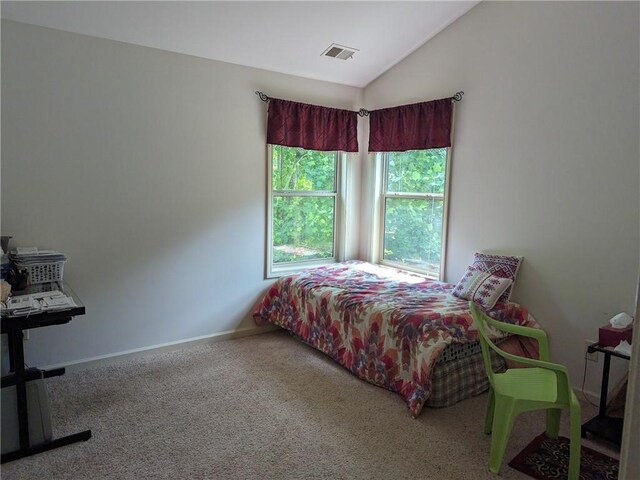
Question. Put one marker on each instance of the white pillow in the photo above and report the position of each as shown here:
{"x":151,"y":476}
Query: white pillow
{"x":481,"y":287}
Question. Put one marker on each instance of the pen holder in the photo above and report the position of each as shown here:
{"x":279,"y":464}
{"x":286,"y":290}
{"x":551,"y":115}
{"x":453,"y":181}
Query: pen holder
{"x":18,"y":279}
{"x":4,"y":242}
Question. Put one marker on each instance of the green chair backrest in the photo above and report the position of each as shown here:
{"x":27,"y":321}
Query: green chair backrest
{"x":482,"y":321}
{"x":485,"y":342}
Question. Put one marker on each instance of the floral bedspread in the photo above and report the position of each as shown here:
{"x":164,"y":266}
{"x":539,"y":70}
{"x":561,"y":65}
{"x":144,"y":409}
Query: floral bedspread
{"x":386,"y":326}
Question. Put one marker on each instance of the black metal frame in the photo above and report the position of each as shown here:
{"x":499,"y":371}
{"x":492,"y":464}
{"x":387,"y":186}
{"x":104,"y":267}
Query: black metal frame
{"x":609,"y":428}
{"x":13,"y":327}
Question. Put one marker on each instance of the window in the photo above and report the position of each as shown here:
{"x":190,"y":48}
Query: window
{"x":304,"y":206}
{"x":413,"y":210}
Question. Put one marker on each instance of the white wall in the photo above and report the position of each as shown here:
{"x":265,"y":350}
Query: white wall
{"x":546,"y":156}
{"x":147,"y":168}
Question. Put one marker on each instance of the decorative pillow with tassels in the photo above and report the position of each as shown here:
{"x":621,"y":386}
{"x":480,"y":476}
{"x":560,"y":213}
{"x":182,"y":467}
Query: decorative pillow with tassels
{"x":481,"y":287}
{"x":504,"y":266}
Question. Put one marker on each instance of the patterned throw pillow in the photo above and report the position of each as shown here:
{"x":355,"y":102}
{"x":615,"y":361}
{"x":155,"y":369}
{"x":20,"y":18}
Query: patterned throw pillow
{"x":481,"y":287}
{"x":501,"y":266}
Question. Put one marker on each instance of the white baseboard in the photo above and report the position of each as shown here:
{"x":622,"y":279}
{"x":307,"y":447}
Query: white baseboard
{"x":112,"y":358}
{"x":591,"y":396}
{"x":594,"y":397}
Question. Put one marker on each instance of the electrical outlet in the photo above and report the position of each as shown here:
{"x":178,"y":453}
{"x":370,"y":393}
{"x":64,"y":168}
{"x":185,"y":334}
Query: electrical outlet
{"x":592,"y":357}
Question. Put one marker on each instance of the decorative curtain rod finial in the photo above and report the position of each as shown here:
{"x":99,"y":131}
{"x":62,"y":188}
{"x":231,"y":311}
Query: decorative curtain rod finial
{"x":458,"y":96}
{"x":263,"y":97}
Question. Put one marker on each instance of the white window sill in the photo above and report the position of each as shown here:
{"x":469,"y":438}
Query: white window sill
{"x":281,"y":271}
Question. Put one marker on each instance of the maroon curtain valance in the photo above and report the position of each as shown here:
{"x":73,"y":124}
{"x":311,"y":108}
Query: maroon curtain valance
{"x":294,"y":124}
{"x":411,"y":127}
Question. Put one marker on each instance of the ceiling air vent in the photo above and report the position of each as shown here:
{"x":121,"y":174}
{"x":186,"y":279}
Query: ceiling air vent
{"x":339,"y":51}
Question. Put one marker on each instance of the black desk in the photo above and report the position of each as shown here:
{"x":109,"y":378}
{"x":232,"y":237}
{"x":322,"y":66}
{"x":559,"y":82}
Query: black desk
{"x":609,"y":428}
{"x":19,"y":375}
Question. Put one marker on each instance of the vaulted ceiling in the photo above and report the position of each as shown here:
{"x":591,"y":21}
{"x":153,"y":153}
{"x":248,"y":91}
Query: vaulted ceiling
{"x":287,"y":37}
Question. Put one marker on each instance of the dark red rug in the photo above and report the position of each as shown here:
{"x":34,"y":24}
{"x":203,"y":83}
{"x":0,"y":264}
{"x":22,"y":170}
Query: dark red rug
{"x":548,"y":458}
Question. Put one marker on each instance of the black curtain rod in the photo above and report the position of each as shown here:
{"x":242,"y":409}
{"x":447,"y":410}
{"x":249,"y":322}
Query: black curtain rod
{"x":362,"y":112}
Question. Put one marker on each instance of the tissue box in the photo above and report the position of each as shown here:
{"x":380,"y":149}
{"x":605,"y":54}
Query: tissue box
{"x":611,"y":337}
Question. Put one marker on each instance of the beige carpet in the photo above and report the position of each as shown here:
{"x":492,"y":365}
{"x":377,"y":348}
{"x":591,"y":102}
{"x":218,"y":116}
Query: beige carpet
{"x":263,"y":407}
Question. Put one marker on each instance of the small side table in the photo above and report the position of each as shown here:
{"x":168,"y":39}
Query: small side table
{"x":609,"y":428}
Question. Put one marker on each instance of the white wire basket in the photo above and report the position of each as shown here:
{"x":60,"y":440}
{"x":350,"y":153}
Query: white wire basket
{"x":44,"y":272}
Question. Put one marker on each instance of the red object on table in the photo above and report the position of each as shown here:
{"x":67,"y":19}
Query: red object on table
{"x":611,"y":337}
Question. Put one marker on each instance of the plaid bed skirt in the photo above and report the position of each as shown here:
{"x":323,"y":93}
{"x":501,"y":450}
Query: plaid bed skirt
{"x":456,"y":380}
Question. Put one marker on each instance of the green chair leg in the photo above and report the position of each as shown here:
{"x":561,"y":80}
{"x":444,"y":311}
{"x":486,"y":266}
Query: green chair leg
{"x":503,"y":417}
{"x":574,"y":448}
{"x":553,"y":422}
{"x":488,"y":419}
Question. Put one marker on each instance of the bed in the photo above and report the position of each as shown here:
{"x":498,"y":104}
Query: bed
{"x":394,"y":329}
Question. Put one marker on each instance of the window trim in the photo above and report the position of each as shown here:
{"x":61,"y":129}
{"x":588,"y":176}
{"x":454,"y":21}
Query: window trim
{"x":382,"y":195}
{"x":274,"y":271}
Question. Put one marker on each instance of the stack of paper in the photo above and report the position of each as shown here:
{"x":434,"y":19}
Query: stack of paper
{"x":39,"y":302}
{"x":25,"y":256}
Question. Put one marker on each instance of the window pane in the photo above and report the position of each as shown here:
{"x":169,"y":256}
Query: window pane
{"x":305,"y":170}
{"x":413,"y":233}
{"x":417,"y":171}
{"x":302,"y":228}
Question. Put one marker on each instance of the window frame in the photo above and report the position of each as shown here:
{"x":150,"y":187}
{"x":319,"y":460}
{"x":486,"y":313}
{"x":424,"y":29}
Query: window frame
{"x":277,"y":270}
{"x":382,"y":158}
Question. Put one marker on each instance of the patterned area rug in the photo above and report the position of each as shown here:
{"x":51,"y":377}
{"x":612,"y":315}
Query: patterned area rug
{"x":548,"y":458}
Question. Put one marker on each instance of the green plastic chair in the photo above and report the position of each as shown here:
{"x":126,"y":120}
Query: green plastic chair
{"x":542,"y":386}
